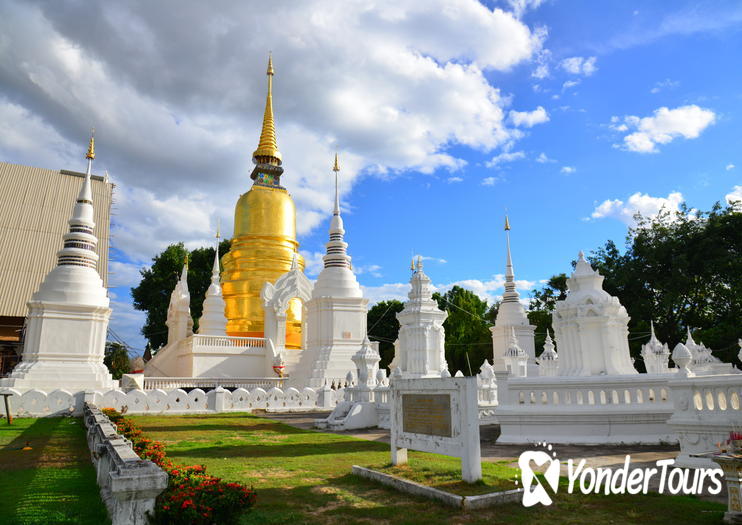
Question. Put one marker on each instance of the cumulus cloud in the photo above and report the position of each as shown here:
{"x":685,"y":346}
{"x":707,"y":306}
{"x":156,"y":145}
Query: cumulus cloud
{"x":664,"y":126}
{"x":734,"y":196}
{"x":455,"y":179}
{"x":729,"y":167}
{"x":639,"y":202}
{"x":529,"y":118}
{"x":567,"y":85}
{"x":520,"y":7}
{"x":503,"y":158}
{"x":579,"y":65}
{"x":178,"y":112}
{"x":568,"y":170}
{"x":490,"y":181}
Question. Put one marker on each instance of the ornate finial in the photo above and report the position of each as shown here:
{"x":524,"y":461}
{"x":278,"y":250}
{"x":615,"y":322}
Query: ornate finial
{"x":218,"y":236}
{"x":186,"y":260}
{"x":412,"y":264}
{"x":336,"y":166}
{"x":419,"y":263}
{"x":270,"y":64}
{"x":507,"y":224}
{"x":267,"y":151}
{"x":91,"y":145}
{"x":294,"y":262}
{"x":581,"y":256}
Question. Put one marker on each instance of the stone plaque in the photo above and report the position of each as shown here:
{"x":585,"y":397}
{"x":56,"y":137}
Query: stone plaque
{"x":427,"y":414}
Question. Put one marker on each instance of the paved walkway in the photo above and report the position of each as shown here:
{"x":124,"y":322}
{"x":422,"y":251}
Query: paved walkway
{"x":642,"y":456}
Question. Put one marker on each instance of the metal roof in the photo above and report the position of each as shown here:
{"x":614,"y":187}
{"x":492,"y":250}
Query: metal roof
{"x":35,"y":205}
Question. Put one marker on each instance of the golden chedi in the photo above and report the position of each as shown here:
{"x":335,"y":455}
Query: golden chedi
{"x":264,"y":242}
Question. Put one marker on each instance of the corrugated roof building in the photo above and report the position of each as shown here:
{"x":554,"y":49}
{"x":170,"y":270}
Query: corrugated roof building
{"x":35,"y":205}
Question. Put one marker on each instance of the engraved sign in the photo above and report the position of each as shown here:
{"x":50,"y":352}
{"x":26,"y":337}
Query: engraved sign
{"x":428,"y":414}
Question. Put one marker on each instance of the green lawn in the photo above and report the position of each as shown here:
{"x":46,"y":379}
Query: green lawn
{"x":54,"y":483}
{"x":304,"y":477}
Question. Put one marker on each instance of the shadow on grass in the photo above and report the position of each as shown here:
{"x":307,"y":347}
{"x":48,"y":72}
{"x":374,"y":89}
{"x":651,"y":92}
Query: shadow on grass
{"x":38,"y":435}
{"x":250,"y":426}
{"x":278,"y":450}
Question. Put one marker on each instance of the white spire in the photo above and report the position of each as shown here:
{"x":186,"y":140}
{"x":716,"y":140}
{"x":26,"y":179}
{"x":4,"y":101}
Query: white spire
{"x":510,"y":295}
{"x":336,"y":248}
{"x":213,"y":321}
{"x":80,"y":242}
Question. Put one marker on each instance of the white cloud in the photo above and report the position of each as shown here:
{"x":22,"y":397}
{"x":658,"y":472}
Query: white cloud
{"x":544,"y":159}
{"x":127,"y":322}
{"x":372,"y":269}
{"x":567,"y":85}
{"x":490,"y":181}
{"x":438,"y":260}
{"x":734,"y":196}
{"x":663,"y":127}
{"x":729,"y":167}
{"x":542,"y":60}
{"x":182,"y":142}
{"x":386,"y":292}
{"x":664,"y":84}
{"x":529,"y":118}
{"x":455,"y":179}
{"x":579,"y":65}
{"x":503,"y":158}
{"x":639,"y":202}
{"x":519,"y":7}
{"x":123,"y":274}
{"x":568,"y":169}
{"x":313,"y":262}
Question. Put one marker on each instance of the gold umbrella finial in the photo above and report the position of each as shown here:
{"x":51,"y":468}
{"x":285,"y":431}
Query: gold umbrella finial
{"x":91,"y":145}
{"x":336,"y":166}
{"x":507,"y":223}
{"x":267,"y":151}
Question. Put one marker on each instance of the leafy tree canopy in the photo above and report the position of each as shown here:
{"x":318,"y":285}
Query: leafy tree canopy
{"x":116,"y":358}
{"x":383,"y":327}
{"x":152,"y":295}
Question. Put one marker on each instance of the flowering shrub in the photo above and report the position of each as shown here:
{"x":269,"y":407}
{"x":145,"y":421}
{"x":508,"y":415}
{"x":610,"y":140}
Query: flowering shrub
{"x":192,"y":495}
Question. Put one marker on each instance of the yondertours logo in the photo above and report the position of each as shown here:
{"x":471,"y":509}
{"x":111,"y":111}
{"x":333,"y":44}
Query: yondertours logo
{"x":621,"y":480}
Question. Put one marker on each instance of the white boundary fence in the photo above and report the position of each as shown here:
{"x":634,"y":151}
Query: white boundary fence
{"x":35,"y":403}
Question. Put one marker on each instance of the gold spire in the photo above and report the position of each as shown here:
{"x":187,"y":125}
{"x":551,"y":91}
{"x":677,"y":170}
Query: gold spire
{"x":267,"y":151}
{"x":336,"y":166}
{"x":91,"y":145}
{"x":507,"y":224}
{"x":412,"y":264}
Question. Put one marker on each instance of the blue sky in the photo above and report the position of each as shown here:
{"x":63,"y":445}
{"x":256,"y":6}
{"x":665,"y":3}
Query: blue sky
{"x":567,"y":115}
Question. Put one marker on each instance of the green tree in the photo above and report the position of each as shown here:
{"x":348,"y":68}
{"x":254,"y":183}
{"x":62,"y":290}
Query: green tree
{"x":468,"y":339}
{"x":681,"y":270}
{"x":116,"y":358}
{"x":152,"y":295}
{"x":383,"y":327}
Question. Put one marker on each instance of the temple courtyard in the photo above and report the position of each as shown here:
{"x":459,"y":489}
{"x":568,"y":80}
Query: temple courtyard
{"x":304,"y":476}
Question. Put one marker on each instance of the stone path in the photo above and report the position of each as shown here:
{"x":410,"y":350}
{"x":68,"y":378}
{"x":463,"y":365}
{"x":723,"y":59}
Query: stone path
{"x":642,"y":456}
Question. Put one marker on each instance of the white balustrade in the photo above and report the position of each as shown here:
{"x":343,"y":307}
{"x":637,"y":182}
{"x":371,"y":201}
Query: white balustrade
{"x":167,"y":383}
{"x":586,"y":410}
{"x":201,"y":342}
{"x":707,"y":408}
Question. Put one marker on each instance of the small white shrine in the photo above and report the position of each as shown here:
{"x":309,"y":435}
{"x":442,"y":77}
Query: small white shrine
{"x":420,"y":349}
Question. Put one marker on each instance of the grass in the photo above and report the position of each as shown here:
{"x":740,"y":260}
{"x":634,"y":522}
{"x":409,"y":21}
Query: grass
{"x":303,"y":476}
{"x":54,"y":482}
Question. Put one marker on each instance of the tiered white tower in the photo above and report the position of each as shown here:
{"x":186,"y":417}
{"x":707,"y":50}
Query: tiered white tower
{"x":656,"y":355}
{"x":68,"y":315}
{"x":335,"y":314}
{"x":511,"y":316}
{"x":420,"y":349}
{"x":591,"y":327}
{"x":213,"y":321}
{"x":179,"y":321}
{"x":548,"y":360}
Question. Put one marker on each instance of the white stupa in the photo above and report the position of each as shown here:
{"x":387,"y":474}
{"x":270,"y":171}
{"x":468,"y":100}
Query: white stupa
{"x":548,"y":361}
{"x":213,"y":321}
{"x":68,"y":315}
{"x":420,"y":349}
{"x":335,"y":314}
{"x":591,"y":327}
{"x":511,"y":316}
{"x":179,"y":321}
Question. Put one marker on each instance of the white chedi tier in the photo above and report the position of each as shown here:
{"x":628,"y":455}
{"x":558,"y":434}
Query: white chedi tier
{"x":420,"y":349}
{"x":335,"y":315}
{"x":591,"y":327}
{"x":511,"y":316}
{"x":68,"y":315}
{"x":213,"y":321}
{"x":179,"y":321}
